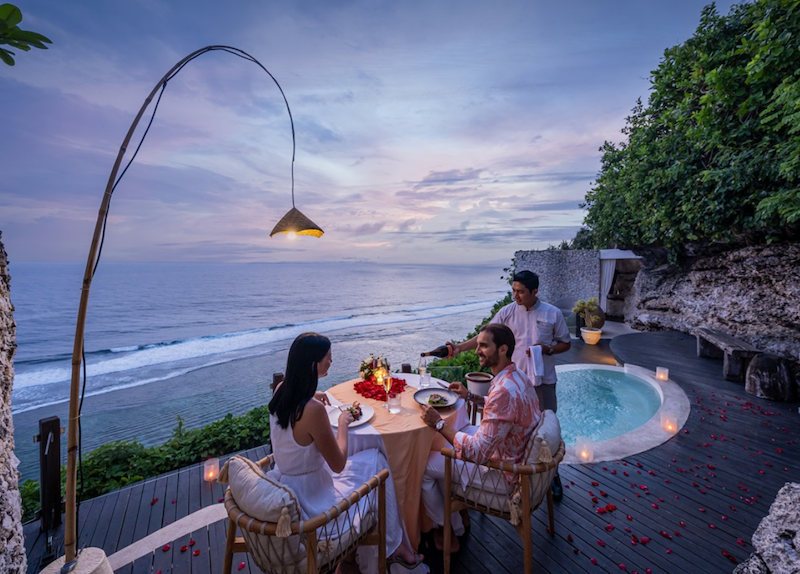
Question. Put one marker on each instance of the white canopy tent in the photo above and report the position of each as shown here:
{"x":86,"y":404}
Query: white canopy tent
{"x":608,"y":263}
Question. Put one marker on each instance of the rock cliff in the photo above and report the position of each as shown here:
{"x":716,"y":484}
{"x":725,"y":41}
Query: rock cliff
{"x":752,"y":293}
{"x":12,"y":545}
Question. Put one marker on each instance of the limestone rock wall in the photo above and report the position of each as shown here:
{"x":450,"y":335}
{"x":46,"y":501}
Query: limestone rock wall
{"x":562,"y":273}
{"x":12,"y":546}
{"x":752,"y":293}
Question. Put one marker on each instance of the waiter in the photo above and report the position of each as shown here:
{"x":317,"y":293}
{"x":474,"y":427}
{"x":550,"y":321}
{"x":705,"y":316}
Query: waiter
{"x":534,"y":324}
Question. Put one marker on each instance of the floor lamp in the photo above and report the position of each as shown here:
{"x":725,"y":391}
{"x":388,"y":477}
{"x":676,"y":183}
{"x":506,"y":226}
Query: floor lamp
{"x":93,"y":560}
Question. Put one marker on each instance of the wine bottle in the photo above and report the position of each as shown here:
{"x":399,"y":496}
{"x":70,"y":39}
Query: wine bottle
{"x":441,"y":352}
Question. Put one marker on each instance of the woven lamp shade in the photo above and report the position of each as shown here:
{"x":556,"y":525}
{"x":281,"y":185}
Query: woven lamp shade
{"x":296,"y":222}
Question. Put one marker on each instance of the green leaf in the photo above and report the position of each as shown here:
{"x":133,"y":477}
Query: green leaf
{"x":5,"y":55}
{"x":11,"y":14}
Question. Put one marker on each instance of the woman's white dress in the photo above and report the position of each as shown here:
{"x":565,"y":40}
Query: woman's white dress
{"x":304,"y":470}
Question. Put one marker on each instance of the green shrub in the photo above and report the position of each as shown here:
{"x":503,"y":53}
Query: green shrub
{"x":117,"y":464}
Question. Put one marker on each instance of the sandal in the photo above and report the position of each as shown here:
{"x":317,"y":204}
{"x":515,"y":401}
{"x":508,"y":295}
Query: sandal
{"x":407,"y":565}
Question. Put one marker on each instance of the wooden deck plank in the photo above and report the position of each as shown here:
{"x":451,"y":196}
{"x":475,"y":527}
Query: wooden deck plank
{"x":155,"y":519}
{"x":201,"y":564}
{"x":116,"y":519}
{"x":131,"y":516}
{"x":195,"y":485}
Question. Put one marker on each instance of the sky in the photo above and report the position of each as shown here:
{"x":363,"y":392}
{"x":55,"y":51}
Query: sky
{"x":427,"y":131}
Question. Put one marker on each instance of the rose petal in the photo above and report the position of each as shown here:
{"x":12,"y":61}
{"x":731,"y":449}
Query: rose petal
{"x":601,"y":543}
{"x":152,"y":502}
{"x":196,"y":553}
{"x":241,"y":566}
{"x":184,"y":548}
{"x":622,"y":567}
{"x":740,"y":542}
{"x":609,"y":527}
{"x":593,"y":560}
{"x":166,"y":547}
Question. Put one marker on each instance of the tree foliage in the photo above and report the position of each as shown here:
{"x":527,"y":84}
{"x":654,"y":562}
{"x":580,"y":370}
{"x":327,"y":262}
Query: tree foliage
{"x":714,"y":156}
{"x":11,"y":34}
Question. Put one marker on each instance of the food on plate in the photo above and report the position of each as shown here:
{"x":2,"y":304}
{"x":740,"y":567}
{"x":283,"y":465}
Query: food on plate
{"x":437,"y":400}
{"x":355,"y":410}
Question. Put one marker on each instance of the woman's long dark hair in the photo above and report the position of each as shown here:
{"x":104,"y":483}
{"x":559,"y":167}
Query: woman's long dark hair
{"x":298,"y":388}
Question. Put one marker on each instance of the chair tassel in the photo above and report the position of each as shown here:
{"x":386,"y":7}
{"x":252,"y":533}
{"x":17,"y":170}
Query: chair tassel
{"x":222,"y":477}
{"x":284,"y":527}
{"x":515,"y":506}
{"x":545,"y":454}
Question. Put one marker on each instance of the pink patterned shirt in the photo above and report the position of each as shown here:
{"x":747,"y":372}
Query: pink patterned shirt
{"x":510,"y":414}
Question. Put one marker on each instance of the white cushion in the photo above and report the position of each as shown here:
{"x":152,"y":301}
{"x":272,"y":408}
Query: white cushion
{"x":549,"y":429}
{"x":257,"y":495}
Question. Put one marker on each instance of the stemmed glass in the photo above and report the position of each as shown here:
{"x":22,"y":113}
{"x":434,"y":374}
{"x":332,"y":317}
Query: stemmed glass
{"x":423,"y":369}
{"x":387,"y":385}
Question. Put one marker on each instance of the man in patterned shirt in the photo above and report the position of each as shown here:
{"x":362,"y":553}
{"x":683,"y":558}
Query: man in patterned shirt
{"x":511,"y":412}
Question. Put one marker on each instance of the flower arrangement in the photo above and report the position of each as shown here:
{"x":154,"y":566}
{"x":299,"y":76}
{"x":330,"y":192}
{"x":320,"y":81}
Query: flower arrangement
{"x":369,"y":390}
{"x":369,"y":366}
{"x":587,"y":310}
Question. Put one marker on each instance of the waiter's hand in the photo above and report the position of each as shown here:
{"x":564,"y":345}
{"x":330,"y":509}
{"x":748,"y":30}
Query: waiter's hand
{"x":430,"y":416}
{"x":545,"y":348}
{"x":460,"y":389}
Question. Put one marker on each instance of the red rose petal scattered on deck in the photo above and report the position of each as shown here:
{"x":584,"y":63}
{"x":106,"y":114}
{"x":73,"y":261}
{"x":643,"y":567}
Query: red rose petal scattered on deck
{"x":665,"y":534}
{"x":677,"y":532}
{"x":220,"y":499}
{"x":594,"y":499}
{"x":668,"y":551}
{"x":152,"y":502}
{"x":622,"y":567}
{"x":625,"y":473}
{"x":628,"y":530}
{"x":613,"y":472}
{"x":166,"y":547}
{"x":685,"y":431}
{"x":595,"y":483}
{"x":629,"y":517}
{"x":610,"y":507}
{"x":601,"y":543}
{"x":184,"y":548}
{"x":740,"y":542}
{"x":702,"y":509}
{"x":682,"y":523}
{"x":192,"y":542}
{"x":724,"y":517}
{"x":196,"y":553}
{"x":569,"y":538}
{"x":593,"y":560}
{"x":730,"y":557}
{"x":241,"y":566}
{"x":644,"y":539}
{"x":601,"y":510}
{"x":174,"y":501}
{"x":609,"y":527}
{"x":648,"y":571}
{"x":654,"y":506}
{"x":711,"y":526}
{"x":603,"y":493}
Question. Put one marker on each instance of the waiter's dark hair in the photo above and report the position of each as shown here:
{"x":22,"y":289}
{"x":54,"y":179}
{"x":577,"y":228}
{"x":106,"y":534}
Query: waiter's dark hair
{"x":298,"y":388}
{"x":527,"y":278}
{"x":501,"y":335}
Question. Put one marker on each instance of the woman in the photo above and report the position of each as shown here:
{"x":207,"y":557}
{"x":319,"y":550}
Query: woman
{"x":313,"y":461}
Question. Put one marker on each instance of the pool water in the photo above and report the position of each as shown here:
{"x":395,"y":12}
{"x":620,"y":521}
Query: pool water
{"x":603,"y":403}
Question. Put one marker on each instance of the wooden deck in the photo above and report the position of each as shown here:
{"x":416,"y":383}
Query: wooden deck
{"x":698,"y":497}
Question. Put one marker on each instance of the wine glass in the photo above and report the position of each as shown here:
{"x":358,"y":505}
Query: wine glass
{"x":423,"y":368}
{"x":387,"y":386}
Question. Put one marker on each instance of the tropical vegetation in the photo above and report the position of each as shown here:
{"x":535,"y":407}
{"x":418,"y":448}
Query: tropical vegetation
{"x":714,"y":156}
{"x":12,"y":35}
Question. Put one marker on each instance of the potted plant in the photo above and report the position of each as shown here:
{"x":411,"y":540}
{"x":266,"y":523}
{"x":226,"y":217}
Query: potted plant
{"x":587,"y":310}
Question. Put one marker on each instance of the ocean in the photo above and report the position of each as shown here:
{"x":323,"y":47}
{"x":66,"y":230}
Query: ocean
{"x":202,"y":340}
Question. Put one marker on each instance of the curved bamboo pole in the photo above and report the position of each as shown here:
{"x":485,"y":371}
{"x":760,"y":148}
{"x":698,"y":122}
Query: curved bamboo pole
{"x":70,"y":529}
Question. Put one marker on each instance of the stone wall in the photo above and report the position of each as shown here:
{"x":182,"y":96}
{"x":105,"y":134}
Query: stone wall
{"x":752,"y":293}
{"x":563,"y":273}
{"x":12,"y":546}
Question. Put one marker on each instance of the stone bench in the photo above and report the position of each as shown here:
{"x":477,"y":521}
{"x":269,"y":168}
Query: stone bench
{"x":736,"y":354}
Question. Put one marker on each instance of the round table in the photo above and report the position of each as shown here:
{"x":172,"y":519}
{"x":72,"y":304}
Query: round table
{"x":405,"y":440}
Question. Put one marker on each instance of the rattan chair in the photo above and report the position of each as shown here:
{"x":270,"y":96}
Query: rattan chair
{"x":533,"y":486}
{"x":315,"y":545}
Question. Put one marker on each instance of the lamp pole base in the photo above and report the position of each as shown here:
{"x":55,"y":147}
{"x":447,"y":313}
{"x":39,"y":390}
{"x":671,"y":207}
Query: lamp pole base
{"x":90,"y":561}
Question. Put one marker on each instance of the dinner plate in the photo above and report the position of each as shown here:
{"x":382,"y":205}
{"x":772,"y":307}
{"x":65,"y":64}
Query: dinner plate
{"x":422,"y":395}
{"x":367,"y":413}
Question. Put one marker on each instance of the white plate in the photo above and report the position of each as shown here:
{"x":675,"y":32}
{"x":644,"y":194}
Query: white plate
{"x":366,"y":415}
{"x":421,"y":396}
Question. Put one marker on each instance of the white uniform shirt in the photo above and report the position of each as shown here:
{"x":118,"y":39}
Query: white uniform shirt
{"x":544,"y":323}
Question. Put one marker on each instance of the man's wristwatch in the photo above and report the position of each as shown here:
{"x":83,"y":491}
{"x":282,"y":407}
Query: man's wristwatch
{"x":439,"y":425}
{"x":549,"y":351}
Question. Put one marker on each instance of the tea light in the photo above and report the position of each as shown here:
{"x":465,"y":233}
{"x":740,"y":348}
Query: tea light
{"x":669,"y":422}
{"x":584,"y":449}
{"x":211,"y":469}
{"x":662,"y":373}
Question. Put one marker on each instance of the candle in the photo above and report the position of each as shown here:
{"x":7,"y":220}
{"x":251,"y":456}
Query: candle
{"x":669,"y":422}
{"x":211,"y":469}
{"x":584,"y":449}
{"x":662,"y":373}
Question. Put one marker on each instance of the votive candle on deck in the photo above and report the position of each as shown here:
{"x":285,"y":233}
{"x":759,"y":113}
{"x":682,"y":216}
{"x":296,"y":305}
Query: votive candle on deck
{"x":669,"y":422}
{"x":584,"y":449}
{"x":211,"y":469}
{"x":662,"y":373}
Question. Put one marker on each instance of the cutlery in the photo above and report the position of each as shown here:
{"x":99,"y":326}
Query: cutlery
{"x":443,"y":385}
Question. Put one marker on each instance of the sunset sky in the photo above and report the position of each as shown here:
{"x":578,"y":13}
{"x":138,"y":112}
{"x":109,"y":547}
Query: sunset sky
{"x":427,"y":131}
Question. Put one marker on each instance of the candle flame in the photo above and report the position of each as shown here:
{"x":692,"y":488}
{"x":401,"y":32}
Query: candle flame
{"x":291,"y":235}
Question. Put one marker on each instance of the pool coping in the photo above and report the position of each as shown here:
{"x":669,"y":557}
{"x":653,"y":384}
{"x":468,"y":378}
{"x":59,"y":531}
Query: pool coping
{"x":650,"y":435}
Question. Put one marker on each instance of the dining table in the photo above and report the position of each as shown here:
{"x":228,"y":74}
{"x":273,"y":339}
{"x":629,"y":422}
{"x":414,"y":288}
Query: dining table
{"x":403,"y":438}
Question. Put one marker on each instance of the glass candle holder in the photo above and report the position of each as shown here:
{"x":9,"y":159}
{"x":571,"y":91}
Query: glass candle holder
{"x":584,"y":449}
{"x":669,"y":422}
{"x":662,"y":373}
{"x":395,"y":403}
{"x":211,"y":469}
